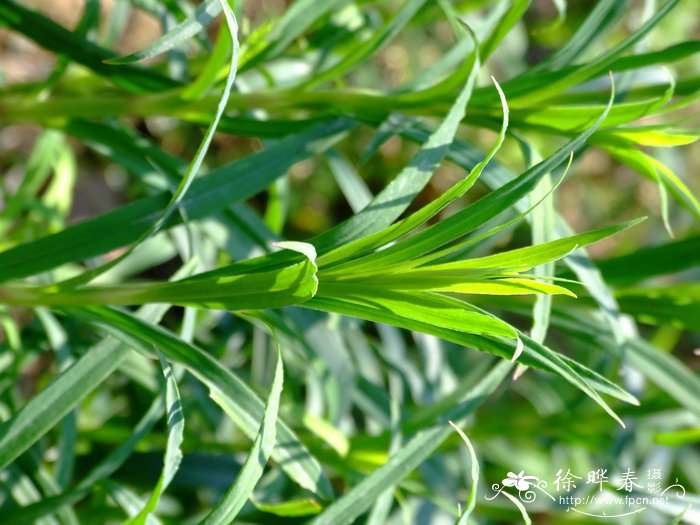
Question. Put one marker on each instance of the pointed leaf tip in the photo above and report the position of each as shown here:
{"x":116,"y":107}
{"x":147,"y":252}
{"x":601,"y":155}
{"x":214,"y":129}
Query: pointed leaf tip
{"x":519,"y":371}
{"x":519,"y":346}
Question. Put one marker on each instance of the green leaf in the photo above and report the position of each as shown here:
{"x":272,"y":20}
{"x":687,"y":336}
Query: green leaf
{"x":523,"y":259}
{"x":657,"y":137}
{"x":571,"y":118}
{"x":173,"y":455}
{"x":365,"y":49}
{"x":236,"y":496}
{"x":474,"y":474}
{"x":208,"y":76}
{"x":679,"y":438}
{"x":246,"y":407}
{"x":393,"y":200}
{"x":353,"y":187}
{"x":194,"y":24}
{"x":209,"y":194}
{"x":658,"y":172}
{"x":474,"y":215}
{"x":659,"y":367}
{"x":194,"y":166}
{"x":542,"y":220}
{"x":48,"y":407}
{"x":678,"y":304}
{"x":303,"y":248}
{"x":532,"y":78}
{"x":511,"y":17}
{"x":533,"y":354}
{"x":597,"y":66}
{"x":651,"y":261}
{"x":298,"y":18}
{"x":226,"y":288}
{"x":58,"y":339}
{"x":421,"y":446}
{"x":445,"y":281}
{"x":597,"y":381}
{"x":97,"y":475}
{"x":601,"y":17}
{"x":39,"y":165}
{"x":428,"y":308}
{"x":294,"y":508}
{"x":50,"y":35}
{"x":667,"y":372}
{"x":390,"y":233}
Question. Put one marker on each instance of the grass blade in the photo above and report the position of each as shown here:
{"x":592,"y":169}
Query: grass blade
{"x":363,"y":50}
{"x":173,"y":454}
{"x":50,"y":35}
{"x":359,"y":498}
{"x":474,"y":474}
{"x":393,"y":200}
{"x":216,"y":191}
{"x":234,"y":499}
{"x":192,"y":170}
{"x":204,"y":15}
{"x":247,"y":407}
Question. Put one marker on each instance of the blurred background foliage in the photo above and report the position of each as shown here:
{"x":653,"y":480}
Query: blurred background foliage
{"x":346,"y":378}
{"x":316,"y":202}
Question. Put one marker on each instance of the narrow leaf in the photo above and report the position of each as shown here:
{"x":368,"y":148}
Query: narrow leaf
{"x":236,"y":496}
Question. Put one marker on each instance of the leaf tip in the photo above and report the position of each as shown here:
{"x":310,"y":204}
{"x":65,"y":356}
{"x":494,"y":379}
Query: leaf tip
{"x":519,"y":372}
{"x":519,"y":346}
{"x":634,"y":222}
